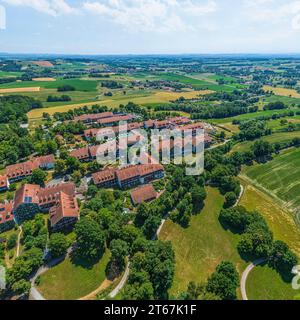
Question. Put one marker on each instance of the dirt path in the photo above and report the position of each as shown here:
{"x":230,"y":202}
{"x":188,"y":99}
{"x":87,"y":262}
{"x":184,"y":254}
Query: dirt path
{"x":92,"y":296}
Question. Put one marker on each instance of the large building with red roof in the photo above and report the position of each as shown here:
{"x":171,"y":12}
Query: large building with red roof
{"x":19,"y":171}
{"x":93,"y":117}
{"x":31,"y":199}
{"x":128,"y":177}
{"x":143,"y":194}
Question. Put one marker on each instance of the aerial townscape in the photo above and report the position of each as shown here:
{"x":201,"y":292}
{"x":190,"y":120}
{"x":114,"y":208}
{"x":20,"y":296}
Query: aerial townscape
{"x":136,"y":226}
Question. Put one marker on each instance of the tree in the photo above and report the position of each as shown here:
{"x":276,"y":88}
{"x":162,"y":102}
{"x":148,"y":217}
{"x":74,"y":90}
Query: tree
{"x":11,"y":241}
{"x":90,"y":239}
{"x":198,"y":196}
{"x":281,"y":258}
{"x":224,"y":281}
{"x":58,"y":245}
{"x":38,"y":177}
{"x":60,"y":167}
{"x":21,"y":287}
{"x":230,"y":199}
{"x":119,"y":250}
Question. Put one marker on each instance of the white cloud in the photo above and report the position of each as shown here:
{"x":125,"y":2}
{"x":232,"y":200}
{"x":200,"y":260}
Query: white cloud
{"x":152,"y":15}
{"x":51,"y":7}
{"x":275,"y":12}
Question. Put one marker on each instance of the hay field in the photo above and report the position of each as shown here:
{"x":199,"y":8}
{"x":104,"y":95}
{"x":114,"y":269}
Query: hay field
{"x":43,"y":79}
{"x":279,"y":178}
{"x":282,"y":91}
{"x":13,"y":90}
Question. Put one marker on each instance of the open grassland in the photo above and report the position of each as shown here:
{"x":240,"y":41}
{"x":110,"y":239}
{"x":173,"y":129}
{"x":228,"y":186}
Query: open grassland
{"x":280,"y":221}
{"x":280,"y":137}
{"x":280,"y":176}
{"x":70,"y":281}
{"x":264,"y":283}
{"x":202,"y":246}
{"x":7,"y":74}
{"x":273,"y":98}
{"x":282,"y":91}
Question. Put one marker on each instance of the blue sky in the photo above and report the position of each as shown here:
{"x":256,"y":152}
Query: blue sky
{"x":150,"y":26}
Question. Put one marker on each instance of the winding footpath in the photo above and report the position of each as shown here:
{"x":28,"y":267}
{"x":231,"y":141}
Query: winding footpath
{"x":18,"y":242}
{"x":121,"y":284}
{"x":246,"y":274}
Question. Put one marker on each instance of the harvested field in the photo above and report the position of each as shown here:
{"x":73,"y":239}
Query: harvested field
{"x":283,"y":91}
{"x":12,"y":90}
{"x":43,"y":79}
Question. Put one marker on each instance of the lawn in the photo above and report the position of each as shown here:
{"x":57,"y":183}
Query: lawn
{"x":264,"y":283}
{"x":70,"y":281}
{"x":280,"y":177}
{"x":202,"y":246}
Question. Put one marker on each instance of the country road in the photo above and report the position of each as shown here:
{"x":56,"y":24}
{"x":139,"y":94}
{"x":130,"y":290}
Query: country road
{"x":121,"y":283}
{"x":245,"y":276}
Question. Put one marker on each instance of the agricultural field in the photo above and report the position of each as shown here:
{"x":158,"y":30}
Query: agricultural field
{"x":281,"y":137}
{"x":283,"y":91}
{"x":281,"y":177}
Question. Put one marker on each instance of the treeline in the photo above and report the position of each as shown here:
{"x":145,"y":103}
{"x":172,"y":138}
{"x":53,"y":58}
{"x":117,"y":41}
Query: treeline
{"x":15,"y":107}
{"x":111,"y":84}
{"x":62,"y":98}
{"x":257,"y":239}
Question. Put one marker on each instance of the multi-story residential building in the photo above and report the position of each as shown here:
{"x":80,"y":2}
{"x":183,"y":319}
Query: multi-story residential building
{"x":128,"y":177}
{"x":4,"y":183}
{"x":23,"y":170}
{"x":64,"y":213}
{"x":31,"y":199}
{"x":94,"y":117}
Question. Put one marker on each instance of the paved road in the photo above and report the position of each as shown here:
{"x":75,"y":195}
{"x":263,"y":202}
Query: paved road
{"x":19,"y":240}
{"x":34,"y":293}
{"x":240,"y":196}
{"x":121,"y":283}
{"x":245,"y":276}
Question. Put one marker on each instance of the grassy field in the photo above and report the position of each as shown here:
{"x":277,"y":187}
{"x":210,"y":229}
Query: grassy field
{"x":70,"y":281}
{"x":80,"y":85}
{"x":264,"y":283}
{"x":144,"y":98}
{"x":202,"y":246}
{"x":281,"y":177}
{"x":280,"y":221}
{"x":196,"y":83}
{"x":282,"y":91}
{"x":280,"y":137}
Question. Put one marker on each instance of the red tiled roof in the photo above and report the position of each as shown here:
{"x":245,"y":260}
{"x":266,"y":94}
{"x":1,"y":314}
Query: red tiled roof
{"x":146,"y":169}
{"x":93,"y":116}
{"x":192,"y":126}
{"x":143,"y":193}
{"x":104,"y":175}
{"x":66,"y":206}
{"x":27,"y":193}
{"x":117,"y":118}
{"x":128,"y":173}
{"x":81,"y":153}
{"x":6,"y":214}
{"x":26,"y":168}
{"x":3,"y":181}
{"x":49,"y":194}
